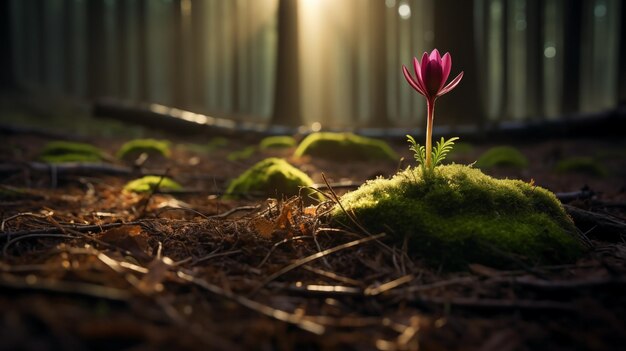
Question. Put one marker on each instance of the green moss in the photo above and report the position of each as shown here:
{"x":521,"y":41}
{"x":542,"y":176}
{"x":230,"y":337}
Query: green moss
{"x":147,"y":183}
{"x":242,"y":154}
{"x":133,"y":148}
{"x":584,"y":165}
{"x":458,"y":215}
{"x":271,"y":177}
{"x":277,"y":142}
{"x":67,"y":151}
{"x":502,"y":156}
{"x":345,"y":147}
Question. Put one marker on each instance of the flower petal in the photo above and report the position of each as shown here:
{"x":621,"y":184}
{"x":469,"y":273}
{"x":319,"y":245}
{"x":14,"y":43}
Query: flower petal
{"x":432,"y":78}
{"x":424,"y":61}
{"x":452,"y":84}
{"x":418,"y":73}
{"x":409,"y":78}
{"x":446,"y":66}
{"x":434,"y":56}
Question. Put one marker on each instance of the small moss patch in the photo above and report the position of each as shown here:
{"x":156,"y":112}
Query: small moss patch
{"x":277,"y":142}
{"x":67,"y":151}
{"x":458,"y":215}
{"x":242,"y":154}
{"x":147,"y":183}
{"x":583,"y":165}
{"x":270,"y":177}
{"x":133,"y":148}
{"x":502,"y":156}
{"x":345,"y":147}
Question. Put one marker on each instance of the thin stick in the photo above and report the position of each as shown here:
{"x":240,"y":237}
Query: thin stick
{"x":268,"y":311}
{"x":62,"y":228}
{"x":14,"y":240}
{"x":92,"y":290}
{"x":4,"y":221}
{"x":214,"y":255}
{"x":284,"y":241}
{"x":373,"y":291}
{"x":333,"y":276}
{"x":314,"y":257}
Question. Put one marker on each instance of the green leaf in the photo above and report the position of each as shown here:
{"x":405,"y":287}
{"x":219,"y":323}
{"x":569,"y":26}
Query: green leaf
{"x":441,"y":150}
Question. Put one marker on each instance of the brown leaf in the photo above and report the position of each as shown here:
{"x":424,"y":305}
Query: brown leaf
{"x":264,"y":227}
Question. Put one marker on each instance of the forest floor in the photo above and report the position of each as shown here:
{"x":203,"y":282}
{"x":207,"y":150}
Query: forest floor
{"x":87,"y":266}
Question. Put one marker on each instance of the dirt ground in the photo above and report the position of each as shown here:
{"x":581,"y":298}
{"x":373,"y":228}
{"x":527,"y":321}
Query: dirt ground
{"x":86,"y":266}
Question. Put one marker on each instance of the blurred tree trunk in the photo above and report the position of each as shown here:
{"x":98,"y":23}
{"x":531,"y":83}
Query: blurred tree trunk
{"x":7,"y":68}
{"x":454,"y":33}
{"x":378,"y":84}
{"x":621,"y":97}
{"x":287,"y":92}
{"x":95,"y":48}
{"x":572,"y":54}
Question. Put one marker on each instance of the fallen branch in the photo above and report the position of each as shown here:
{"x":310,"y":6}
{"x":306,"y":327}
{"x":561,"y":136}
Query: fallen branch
{"x":597,"y":225}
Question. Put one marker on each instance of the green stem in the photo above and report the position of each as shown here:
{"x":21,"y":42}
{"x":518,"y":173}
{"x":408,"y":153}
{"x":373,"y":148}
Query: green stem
{"x":430,"y":106}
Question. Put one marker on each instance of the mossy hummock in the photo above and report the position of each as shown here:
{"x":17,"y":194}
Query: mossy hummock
{"x":270,"y":177}
{"x":502,"y":156}
{"x":133,"y":148}
{"x":582,"y":165}
{"x":457,"y":215}
{"x":242,"y":154}
{"x":148,"y":183}
{"x":277,"y":142}
{"x":345,"y":146}
{"x":67,"y":151}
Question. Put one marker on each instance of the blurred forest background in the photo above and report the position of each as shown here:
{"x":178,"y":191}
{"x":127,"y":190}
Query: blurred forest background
{"x":295,"y":62}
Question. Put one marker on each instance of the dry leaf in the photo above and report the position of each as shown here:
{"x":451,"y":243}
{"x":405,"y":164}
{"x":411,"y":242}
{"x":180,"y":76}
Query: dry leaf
{"x":264,"y":227}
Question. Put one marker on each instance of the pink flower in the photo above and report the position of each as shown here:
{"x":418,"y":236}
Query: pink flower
{"x":431,"y":75}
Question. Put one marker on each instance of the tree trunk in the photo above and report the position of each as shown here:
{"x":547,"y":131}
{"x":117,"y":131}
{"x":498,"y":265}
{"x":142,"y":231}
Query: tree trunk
{"x":378,"y":85}
{"x":287,"y":93}
{"x":572,"y":55}
{"x":7,"y":68}
{"x":621,"y":97}
{"x":463,"y":105}
{"x":95,"y":48}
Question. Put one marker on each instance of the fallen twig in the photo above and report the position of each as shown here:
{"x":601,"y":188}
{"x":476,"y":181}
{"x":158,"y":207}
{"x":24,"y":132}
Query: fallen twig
{"x":30,"y":282}
{"x":268,"y":311}
{"x":78,"y":228}
{"x":314,"y":257}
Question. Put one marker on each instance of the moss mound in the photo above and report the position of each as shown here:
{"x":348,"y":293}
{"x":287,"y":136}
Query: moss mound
{"x":272,"y":177}
{"x":583,"y":165}
{"x":242,"y":154}
{"x":133,"y":148}
{"x":67,"y":151}
{"x":345,"y":146}
{"x":502,"y":156}
{"x":147,"y":183}
{"x":458,"y":215}
{"x":277,"y":142}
